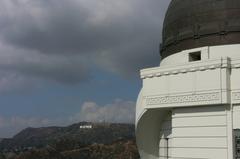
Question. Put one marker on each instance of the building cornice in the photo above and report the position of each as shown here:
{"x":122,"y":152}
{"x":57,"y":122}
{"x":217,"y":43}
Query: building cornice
{"x":190,"y":67}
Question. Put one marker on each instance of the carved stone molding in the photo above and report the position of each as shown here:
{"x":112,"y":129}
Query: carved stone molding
{"x":236,"y":95}
{"x":174,"y":72}
{"x":210,"y":65}
{"x":183,"y":98}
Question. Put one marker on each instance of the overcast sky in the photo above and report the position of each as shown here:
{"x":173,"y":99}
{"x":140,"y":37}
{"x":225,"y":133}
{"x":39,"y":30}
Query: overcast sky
{"x":65,"y":61}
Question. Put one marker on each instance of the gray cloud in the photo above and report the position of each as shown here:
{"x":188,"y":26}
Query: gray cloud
{"x":60,"y":40}
{"x":35,"y":65}
{"x":118,"y":111}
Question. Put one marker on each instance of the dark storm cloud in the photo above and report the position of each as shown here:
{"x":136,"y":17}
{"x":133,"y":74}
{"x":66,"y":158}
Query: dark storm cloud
{"x":61,"y":39}
{"x":34,"y":65}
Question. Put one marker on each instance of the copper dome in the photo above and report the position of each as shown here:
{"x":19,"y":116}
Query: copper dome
{"x":197,"y":23}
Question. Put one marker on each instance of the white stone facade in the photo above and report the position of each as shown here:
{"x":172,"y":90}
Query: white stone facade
{"x":189,"y":110}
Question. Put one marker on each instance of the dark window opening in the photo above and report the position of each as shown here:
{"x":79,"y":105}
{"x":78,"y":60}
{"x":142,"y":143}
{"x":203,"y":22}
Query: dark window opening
{"x":195,"y":56}
{"x":237,"y":143}
{"x":167,"y":145}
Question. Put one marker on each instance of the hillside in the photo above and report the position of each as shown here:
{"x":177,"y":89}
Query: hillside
{"x":116,"y":150}
{"x":100,"y":133}
{"x":81,"y":141}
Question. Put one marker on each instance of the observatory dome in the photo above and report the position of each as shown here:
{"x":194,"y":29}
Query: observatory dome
{"x":197,"y":23}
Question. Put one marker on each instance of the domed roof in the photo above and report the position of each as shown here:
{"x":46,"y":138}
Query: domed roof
{"x":196,"y":23}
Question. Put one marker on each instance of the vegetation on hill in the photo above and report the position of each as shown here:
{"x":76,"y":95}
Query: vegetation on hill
{"x":102,"y":140}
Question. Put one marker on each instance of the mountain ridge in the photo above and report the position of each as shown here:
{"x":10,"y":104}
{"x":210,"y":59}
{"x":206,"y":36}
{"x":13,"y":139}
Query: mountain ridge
{"x":101,"y":133}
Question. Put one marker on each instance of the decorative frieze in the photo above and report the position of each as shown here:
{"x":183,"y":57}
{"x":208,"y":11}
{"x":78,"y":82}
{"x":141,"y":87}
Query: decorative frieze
{"x":191,"y":98}
{"x":236,"y":95}
{"x":236,"y":66}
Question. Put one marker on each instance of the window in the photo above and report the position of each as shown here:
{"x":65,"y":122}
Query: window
{"x":237,"y":142}
{"x":195,"y":56}
{"x":167,"y":147}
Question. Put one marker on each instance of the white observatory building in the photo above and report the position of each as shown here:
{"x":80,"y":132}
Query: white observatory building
{"x":189,"y":106}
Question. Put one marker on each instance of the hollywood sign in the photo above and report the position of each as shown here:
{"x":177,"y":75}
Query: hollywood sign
{"x":86,"y":127}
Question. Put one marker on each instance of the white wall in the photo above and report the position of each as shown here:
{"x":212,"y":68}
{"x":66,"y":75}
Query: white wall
{"x":199,"y":132}
{"x":165,"y":142}
{"x":236,"y":117}
{"x":211,"y":52}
